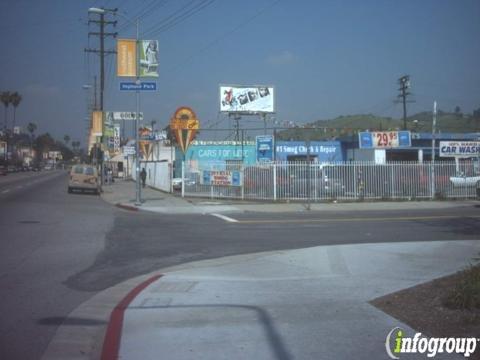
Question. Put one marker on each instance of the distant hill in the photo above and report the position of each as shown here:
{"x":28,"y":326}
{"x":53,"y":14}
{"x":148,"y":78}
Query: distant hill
{"x":352,"y":124}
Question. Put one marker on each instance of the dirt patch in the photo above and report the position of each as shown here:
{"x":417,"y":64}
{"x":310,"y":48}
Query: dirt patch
{"x":422,"y":308}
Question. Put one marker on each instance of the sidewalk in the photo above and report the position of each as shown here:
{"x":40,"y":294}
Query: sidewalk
{"x":122,"y":194}
{"x":298,"y":304}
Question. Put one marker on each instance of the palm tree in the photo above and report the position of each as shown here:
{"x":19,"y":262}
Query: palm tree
{"x":5,"y":98}
{"x":66,"y":138}
{"x":15,"y":100}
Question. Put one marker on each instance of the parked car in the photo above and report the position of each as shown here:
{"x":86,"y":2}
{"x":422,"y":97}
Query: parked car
{"x":84,"y":178}
{"x":478,"y":190}
{"x":3,"y":170}
{"x":11,"y":169}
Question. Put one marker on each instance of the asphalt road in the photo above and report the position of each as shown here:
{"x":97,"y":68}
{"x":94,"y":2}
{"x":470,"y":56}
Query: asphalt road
{"x":58,"y":249}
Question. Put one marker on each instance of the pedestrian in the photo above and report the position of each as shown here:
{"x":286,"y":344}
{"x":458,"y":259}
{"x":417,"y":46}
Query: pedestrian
{"x":143,"y":176}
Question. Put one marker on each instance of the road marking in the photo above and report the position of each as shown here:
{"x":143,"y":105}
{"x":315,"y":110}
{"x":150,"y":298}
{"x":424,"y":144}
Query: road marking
{"x":226,"y":218}
{"x":20,"y":187}
{"x":401,"y":218}
{"x":5,"y":191}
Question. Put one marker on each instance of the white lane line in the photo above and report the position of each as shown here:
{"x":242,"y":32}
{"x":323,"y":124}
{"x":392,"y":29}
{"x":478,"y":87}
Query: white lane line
{"x":5,"y":191}
{"x":223,"y":217}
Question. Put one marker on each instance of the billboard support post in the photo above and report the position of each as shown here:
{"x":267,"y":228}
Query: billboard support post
{"x":138,"y":192}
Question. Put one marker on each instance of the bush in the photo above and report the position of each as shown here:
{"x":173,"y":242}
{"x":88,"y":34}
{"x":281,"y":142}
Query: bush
{"x":466,"y":294}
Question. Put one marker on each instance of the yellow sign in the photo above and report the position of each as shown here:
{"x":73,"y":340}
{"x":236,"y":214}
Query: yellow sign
{"x":97,"y":123}
{"x":127,"y":57}
{"x":185,"y":125}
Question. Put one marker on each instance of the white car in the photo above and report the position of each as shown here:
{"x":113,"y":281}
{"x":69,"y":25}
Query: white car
{"x":177,"y":183}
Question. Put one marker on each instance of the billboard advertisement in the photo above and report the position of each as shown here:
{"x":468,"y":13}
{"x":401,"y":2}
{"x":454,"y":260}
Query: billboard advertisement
{"x":126,"y":58}
{"x":463,"y":149}
{"x":148,"y":58}
{"x":247,"y":99}
{"x":384,"y":139}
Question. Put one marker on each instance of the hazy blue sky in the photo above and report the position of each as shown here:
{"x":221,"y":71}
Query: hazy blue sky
{"x":325,"y":58}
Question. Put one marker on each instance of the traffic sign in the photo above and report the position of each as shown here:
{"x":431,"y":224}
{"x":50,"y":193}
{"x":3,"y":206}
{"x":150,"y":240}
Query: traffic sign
{"x":142,"y":86}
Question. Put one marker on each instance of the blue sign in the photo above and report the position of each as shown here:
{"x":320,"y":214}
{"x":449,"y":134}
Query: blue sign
{"x":366,"y":141}
{"x":321,"y":151}
{"x":143,"y":86}
{"x":264,"y":147}
{"x":404,"y":139}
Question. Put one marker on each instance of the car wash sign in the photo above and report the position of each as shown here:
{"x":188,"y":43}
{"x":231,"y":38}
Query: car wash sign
{"x":460,"y":149}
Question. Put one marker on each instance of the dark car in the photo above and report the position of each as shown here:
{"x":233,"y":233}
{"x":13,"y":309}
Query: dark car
{"x":478,"y":190}
{"x":3,"y":170}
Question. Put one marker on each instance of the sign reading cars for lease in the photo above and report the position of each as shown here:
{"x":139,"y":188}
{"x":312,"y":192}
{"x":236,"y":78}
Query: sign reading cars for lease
{"x":384,"y":139}
{"x":221,"y":178}
{"x":247,"y":99}
{"x":460,"y":149}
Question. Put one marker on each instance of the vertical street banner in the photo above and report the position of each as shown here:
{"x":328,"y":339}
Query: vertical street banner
{"x":97,"y":123}
{"x":148,"y":57}
{"x":126,"y":57}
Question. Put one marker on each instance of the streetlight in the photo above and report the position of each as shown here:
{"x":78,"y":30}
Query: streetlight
{"x":94,"y":10}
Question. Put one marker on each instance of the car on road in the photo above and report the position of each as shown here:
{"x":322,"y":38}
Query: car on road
{"x":478,"y":190}
{"x":84,"y":178}
{"x":3,"y":170}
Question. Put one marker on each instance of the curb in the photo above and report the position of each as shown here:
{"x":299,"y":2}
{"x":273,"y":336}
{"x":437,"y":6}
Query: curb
{"x":126,"y":207}
{"x":113,"y":335}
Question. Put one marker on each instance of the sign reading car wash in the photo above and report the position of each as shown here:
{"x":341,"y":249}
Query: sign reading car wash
{"x":184,"y":125}
{"x":459,"y":149}
{"x":221,"y":178}
{"x":384,"y":139}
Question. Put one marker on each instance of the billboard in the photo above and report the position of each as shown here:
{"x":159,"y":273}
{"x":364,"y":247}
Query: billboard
{"x":384,"y":139}
{"x":247,"y":99}
{"x":463,"y":149}
{"x":148,"y":57}
{"x":126,"y":58}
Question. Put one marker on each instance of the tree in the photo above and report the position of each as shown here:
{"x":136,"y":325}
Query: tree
{"x":66,"y":139}
{"x":31,"y":127}
{"x":15,"y":100}
{"x":5,"y":98}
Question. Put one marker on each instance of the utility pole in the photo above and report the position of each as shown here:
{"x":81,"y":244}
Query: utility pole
{"x":404,"y":83}
{"x":102,"y":52}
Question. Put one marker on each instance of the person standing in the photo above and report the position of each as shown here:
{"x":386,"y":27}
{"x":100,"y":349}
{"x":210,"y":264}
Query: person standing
{"x":143,"y":176}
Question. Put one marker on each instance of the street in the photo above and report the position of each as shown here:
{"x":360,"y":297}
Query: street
{"x":59,"y":249}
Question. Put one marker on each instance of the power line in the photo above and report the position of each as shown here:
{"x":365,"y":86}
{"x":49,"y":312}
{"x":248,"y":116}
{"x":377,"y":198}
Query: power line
{"x":178,"y":16}
{"x":224,"y":35}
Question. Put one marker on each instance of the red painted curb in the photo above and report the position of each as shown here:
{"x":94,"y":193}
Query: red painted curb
{"x":126,"y":207}
{"x":113,"y":336}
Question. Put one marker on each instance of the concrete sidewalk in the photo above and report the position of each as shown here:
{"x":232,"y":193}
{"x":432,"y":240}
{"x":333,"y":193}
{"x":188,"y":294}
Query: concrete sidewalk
{"x":122,"y":194}
{"x":299,"y":304}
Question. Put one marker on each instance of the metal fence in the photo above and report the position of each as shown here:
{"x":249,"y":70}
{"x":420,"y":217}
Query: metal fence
{"x":339,"y":181}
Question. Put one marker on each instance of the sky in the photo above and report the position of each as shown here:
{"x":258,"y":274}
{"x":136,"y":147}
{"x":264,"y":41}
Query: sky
{"x":324,"y":58}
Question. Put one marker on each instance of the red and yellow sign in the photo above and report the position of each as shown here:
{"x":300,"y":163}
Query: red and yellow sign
{"x":184,"y":125}
{"x":127,"y":57}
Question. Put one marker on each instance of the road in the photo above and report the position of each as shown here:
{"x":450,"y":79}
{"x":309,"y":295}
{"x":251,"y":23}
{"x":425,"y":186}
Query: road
{"x":58,"y":250}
